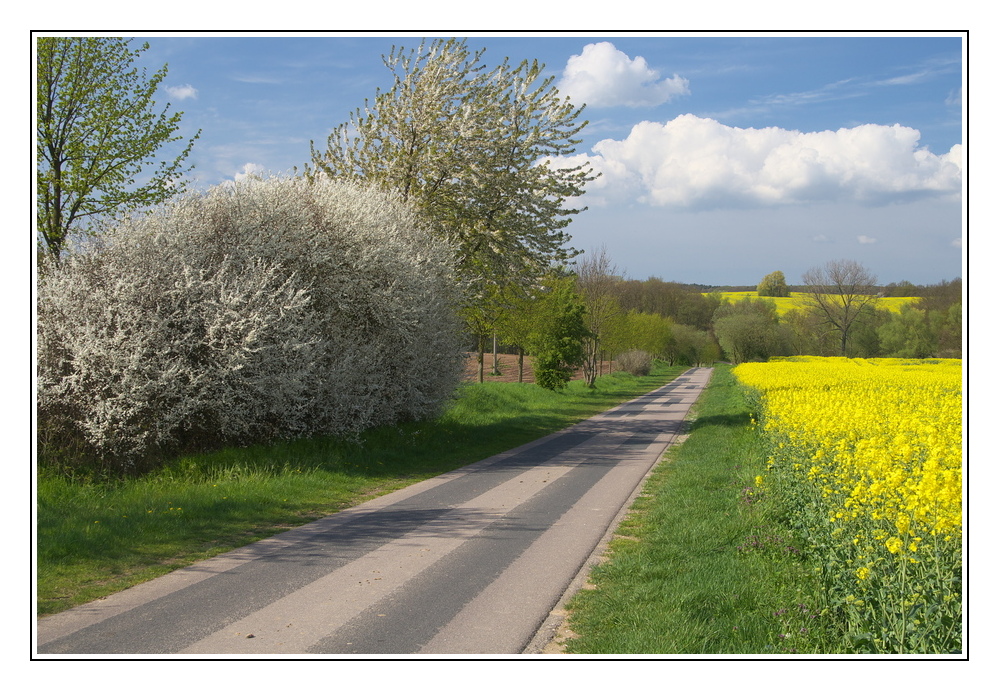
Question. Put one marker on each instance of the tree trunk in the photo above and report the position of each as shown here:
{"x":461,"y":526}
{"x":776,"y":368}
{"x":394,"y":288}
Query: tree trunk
{"x":496,"y":370}
{"x":482,"y":358}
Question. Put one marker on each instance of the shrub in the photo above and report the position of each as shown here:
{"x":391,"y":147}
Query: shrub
{"x":254,"y":311}
{"x":637,"y":362}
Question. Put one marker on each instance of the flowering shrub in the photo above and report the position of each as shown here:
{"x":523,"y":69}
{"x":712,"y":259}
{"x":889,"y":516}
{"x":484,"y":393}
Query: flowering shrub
{"x":868,"y":455}
{"x":254,"y":311}
{"x":637,"y":362}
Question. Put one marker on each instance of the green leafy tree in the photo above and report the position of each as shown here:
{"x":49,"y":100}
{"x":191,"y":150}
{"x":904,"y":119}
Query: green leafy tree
{"x":651,"y":333}
{"x":773,"y":285}
{"x":470,"y":147}
{"x":750,"y":330}
{"x":907,"y":334}
{"x":694,"y":346}
{"x":98,"y":130}
{"x":556,"y":341}
{"x":947,"y":328}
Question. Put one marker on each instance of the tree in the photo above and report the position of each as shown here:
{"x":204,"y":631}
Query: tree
{"x":907,"y":334}
{"x":693,"y":346}
{"x":469,"y":146}
{"x":650,"y":332}
{"x":556,"y":341}
{"x":97,"y":132}
{"x":750,"y":330}
{"x":677,"y":301}
{"x":773,"y":285}
{"x":838,"y":292}
{"x":596,"y":283}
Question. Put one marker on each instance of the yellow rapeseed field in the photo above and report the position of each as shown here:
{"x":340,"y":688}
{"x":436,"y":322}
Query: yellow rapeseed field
{"x":797,"y":301}
{"x":868,"y":456}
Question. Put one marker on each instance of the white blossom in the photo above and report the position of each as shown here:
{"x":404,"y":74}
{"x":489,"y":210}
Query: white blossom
{"x":265,"y":309}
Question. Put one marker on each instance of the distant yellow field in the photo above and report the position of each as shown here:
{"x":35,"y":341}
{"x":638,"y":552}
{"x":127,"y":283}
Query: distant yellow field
{"x":785,"y":305}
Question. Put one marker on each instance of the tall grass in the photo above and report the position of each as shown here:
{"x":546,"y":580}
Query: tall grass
{"x":97,"y":536}
{"x":704,"y":564}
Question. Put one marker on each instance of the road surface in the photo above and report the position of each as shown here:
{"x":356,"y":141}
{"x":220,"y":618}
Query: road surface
{"x":471,"y":562}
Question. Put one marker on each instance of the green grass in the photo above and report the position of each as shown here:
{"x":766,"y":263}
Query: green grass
{"x":703,"y":564}
{"x":98,"y":537}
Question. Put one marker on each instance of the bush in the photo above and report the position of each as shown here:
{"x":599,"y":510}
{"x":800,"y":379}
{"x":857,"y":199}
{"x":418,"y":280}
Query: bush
{"x":636,"y":362}
{"x":260,"y":310}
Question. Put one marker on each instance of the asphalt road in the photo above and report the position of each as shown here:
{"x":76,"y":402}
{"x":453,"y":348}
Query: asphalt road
{"x":471,"y":562}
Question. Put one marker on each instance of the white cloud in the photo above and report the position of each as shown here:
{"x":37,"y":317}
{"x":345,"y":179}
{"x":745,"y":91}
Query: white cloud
{"x":604,"y":76}
{"x":866,"y":240}
{"x":181,"y":92}
{"x":250,"y":170}
{"x":694,"y":162}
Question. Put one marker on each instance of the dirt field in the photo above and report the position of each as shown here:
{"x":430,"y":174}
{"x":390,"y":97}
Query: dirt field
{"x":508,"y":369}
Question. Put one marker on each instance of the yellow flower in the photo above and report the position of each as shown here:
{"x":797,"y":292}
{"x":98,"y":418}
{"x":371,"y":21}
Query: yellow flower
{"x":894,"y":545}
{"x":863,"y":572}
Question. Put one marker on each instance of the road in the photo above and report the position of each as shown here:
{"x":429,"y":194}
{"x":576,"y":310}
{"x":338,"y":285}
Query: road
{"x":471,"y":562}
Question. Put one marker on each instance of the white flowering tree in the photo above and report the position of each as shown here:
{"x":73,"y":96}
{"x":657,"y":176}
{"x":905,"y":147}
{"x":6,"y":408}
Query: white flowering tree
{"x":261,"y":310}
{"x":468,"y":146}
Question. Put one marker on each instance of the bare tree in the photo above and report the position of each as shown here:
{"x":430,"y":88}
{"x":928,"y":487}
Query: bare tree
{"x":839,"y":292}
{"x":596,"y":282}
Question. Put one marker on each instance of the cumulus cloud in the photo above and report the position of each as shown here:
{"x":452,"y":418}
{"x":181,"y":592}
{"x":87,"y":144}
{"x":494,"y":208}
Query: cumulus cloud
{"x":604,"y":76}
{"x":694,"y":162}
{"x":181,"y":92}
{"x":250,"y":170}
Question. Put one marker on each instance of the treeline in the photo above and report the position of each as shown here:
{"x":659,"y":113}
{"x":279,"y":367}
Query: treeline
{"x":680,"y":323}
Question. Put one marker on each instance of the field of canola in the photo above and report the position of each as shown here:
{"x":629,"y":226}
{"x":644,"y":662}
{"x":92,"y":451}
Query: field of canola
{"x":798,"y":301}
{"x":867,"y":455}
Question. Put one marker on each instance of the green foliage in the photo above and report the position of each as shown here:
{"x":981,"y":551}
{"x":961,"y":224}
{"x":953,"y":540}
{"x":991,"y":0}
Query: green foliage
{"x":649,"y":332}
{"x":908,"y":334}
{"x":97,"y":131}
{"x":682,"y":303}
{"x":773,"y":285}
{"x":750,"y":330}
{"x":693,"y":346}
{"x":559,"y":331}
{"x":704,"y":564}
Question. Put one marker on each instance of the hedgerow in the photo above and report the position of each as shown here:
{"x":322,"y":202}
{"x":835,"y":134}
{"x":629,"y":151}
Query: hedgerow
{"x":258,"y":310}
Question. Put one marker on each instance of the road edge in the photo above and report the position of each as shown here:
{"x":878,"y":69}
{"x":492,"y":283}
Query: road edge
{"x":548,"y":631}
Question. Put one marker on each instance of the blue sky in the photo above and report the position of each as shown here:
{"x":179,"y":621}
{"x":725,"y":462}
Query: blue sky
{"x":723,"y":157}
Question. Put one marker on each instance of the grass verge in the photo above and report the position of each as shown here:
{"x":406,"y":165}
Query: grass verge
{"x":704,"y":564}
{"x":95,"y":538}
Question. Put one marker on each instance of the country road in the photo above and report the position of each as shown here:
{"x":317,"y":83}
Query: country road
{"x":471,"y":562}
